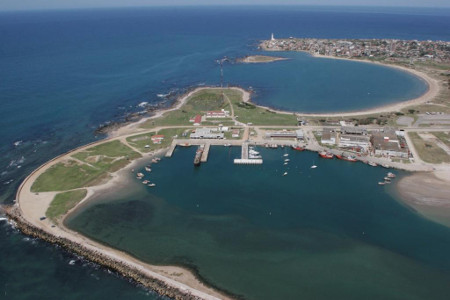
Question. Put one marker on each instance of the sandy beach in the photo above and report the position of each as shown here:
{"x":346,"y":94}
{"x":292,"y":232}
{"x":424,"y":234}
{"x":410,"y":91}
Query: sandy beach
{"x":428,"y":194}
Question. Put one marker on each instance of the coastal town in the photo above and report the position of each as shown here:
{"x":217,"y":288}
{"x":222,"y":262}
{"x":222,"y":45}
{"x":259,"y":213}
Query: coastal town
{"x":392,"y":50}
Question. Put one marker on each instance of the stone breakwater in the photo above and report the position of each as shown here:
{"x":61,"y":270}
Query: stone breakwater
{"x":13,"y":214}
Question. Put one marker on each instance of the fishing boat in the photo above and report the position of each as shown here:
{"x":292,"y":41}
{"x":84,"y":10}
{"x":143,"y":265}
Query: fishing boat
{"x":387,"y":179}
{"x":313,"y":166}
{"x":285,"y":173}
{"x":287,"y":160}
{"x":198,"y":155}
{"x":152,"y":184}
{"x":226,"y":145}
{"x":347,"y":157}
{"x":285,"y":163}
{"x":145,"y":182}
{"x":298,"y":148}
{"x":381,"y":183}
{"x":385,"y":166}
{"x":139,"y":175}
{"x":286,"y":155}
{"x":325,"y":154}
{"x":148,"y":169}
{"x":391,"y":175}
{"x":371,"y":163}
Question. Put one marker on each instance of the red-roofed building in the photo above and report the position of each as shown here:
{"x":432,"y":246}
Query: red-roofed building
{"x":197,"y":120}
{"x":157,"y":139}
{"x":217,"y":114}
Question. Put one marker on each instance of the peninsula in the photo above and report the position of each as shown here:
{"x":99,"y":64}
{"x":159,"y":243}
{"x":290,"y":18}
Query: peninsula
{"x":412,"y":135}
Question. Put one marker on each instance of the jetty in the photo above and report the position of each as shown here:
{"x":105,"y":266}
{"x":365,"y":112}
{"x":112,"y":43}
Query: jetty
{"x":205,"y":152}
{"x":172,"y":147}
{"x":244,"y":160}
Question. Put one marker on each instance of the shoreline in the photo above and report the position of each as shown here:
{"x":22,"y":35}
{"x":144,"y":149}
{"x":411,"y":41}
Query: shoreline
{"x":433,"y":89}
{"x":27,"y":211}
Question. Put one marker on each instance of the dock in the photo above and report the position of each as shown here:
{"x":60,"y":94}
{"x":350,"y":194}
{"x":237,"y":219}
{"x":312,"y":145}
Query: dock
{"x":205,"y":152}
{"x":244,"y":160}
{"x":169,"y":152}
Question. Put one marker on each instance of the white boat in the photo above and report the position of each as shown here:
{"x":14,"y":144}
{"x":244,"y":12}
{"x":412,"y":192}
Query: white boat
{"x":148,"y":169}
{"x":371,"y":163}
{"x":227,"y":145}
{"x":140,"y":175}
{"x":253,"y":152}
{"x":391,"y":175}
{"x":145,"y":182}
{"x":285,"y":163}
{"x":313,"y":166}
{"x":381,"y":183}
{"x":152,"y":184}
{"x":285,"y":173}
{"x":286,"y":155}
{"x":287,"y":159}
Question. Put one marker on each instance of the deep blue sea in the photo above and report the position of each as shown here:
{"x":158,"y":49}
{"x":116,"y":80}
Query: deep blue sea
{"x":63,"y":73}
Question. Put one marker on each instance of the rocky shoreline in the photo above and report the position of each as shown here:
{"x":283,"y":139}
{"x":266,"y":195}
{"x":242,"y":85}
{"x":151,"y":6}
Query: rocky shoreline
{"x":13,"y":214}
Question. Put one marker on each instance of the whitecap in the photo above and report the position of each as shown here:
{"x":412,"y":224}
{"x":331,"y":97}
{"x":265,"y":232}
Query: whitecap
{"x":143,"y":104}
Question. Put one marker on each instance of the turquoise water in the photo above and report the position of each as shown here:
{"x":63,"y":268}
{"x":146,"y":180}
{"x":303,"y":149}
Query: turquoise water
{"x":322,"y":233}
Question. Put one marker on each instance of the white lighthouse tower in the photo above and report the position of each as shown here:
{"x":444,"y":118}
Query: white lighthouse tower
{"x":272,"y":38}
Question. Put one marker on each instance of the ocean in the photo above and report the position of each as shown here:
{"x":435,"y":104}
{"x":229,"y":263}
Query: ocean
{"x":64,"y":73}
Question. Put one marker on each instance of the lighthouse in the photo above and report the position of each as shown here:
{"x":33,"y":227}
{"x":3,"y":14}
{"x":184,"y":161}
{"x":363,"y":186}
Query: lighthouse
{"x":272,"y":38}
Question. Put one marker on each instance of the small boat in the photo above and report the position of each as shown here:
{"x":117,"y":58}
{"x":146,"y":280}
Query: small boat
{"x":381,"y":183}
{"x":253,"y":152}
{"x":227,"y":145}
{"x":385,"y":166}
{"x":285,"y":173}
{"x":287,"y":160}
{"x":325,"y":154}
{"x":387,"y":179}
{"x":297,"y":148}
{"x":347,"y":157}
{"x":387,"y":182}
{"x":152,"y":184}
{"x":371,"y":163}
{"x":185,"y":145}
{"x":148,"y":169}
{"x":154,"y":161}
{"x":391,"y":175}
{"x":286,"y":155}
{"x":313,"y":166}
{"x":145,"y":182}
{"x":285,"y":163}
{"x":139,"y":175}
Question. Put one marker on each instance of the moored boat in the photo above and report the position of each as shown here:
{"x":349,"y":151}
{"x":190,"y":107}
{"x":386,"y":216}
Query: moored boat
{"x":298,"y":148}
{"x":391,"y":175}
{"x":347,"y":157}
{"x":325,"y":154}
{"x":371,"y":163}
{"x":381,"y":183}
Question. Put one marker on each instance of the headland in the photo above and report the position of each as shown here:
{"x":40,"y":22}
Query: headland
{"x":225,"y":116}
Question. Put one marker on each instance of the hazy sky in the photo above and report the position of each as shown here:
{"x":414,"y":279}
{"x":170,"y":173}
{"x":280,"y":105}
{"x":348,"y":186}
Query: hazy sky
{"x":61,"y":4}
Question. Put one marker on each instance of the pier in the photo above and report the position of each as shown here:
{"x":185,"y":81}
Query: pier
{"x":205,"y":152}
{"x":169,"y":152}
{"x":244,"y":160}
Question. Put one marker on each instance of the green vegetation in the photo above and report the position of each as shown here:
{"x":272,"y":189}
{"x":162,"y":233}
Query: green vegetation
{"x":109,"y":157}
{"x":444,"y":137}
{"x":63,"y":202}
{"x":67,"y":176}
{"x":428,"y":150}
{"x":141,"y":140}
{"x":249,"y":113}
{"x":198,"y":103}
{"x":95,"y":164}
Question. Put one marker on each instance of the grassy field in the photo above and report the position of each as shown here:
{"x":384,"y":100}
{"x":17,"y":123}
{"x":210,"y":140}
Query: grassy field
{"x":99,"y":160}
{"x":67,"y":176}
{"x":198,"y":103}
{"x":443,"y":136}
{"x":141,"y":140}
{"x":108,"y":157}
{"x":63,"y":202}
{"x":428,"y":151}
{"x":249,"y":113}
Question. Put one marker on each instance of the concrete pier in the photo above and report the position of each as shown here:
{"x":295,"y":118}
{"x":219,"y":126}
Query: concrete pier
{"x":205,"y":153}
{"x":169,"y":152}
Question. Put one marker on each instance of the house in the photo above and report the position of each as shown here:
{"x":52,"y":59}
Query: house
{"x":157,"y":139}
{"x":197,"y":120}
{"x":298,"y":134}
{"x":235,"y":133}
{"x":356,"y":130}
{"x":217,"y":114}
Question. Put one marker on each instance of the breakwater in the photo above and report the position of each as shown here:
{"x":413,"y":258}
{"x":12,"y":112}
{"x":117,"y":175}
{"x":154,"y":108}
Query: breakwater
{"x":160,"y":287}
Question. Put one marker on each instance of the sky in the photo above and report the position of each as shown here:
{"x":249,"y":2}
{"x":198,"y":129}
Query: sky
{"x":67,"y":4}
